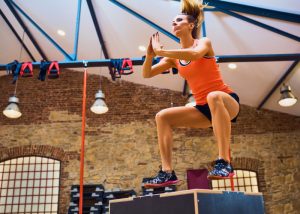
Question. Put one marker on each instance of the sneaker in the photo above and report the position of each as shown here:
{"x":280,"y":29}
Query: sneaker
{"x":222,"y":170}
{"x":162,"y":179}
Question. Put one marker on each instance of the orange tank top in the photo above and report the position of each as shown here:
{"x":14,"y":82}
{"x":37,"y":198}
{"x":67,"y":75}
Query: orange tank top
{"x":203,"y":76}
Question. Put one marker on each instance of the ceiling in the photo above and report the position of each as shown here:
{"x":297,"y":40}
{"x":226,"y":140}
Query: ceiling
{"x":123,"y":33}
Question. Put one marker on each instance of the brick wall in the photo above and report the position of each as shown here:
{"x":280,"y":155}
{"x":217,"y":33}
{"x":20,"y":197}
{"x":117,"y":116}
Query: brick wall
{"x":121,"y":146}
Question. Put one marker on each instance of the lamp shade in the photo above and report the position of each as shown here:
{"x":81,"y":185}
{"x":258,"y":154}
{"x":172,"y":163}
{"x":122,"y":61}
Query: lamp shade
{"x":12,"y":110}
{"x":191,"y":100}
{"x":287,"y":98}
{"x":99,"y":106}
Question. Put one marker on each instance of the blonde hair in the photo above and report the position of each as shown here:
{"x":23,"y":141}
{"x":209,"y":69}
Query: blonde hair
{"x":194,"y":10}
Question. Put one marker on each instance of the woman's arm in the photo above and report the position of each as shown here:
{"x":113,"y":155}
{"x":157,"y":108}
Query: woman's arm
{"x":163,"y":65}
{"x":151,"y":71}
{"x":202,"y":48}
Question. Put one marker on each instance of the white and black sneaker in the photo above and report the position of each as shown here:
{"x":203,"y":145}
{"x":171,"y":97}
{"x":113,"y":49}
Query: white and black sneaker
{"x":222,"y":170}
{"x":162,"y":179}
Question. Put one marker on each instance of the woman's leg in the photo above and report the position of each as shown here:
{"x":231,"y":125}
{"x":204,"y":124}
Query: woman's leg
{"x":223,"y":109}
{"x":175,"y":117}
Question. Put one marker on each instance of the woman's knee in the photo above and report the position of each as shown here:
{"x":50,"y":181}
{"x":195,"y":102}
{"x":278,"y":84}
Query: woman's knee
{"x":214,"y":98}
{"x":161,"y":116}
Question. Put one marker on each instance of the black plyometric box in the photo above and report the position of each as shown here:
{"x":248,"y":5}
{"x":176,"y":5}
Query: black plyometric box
{"x":191,"y":202}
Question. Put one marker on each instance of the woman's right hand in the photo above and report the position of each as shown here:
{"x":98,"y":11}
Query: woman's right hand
{"x":150,"y":51}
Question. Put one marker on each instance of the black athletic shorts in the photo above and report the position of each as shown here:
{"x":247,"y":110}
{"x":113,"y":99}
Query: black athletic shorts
{"x":204,"y":109}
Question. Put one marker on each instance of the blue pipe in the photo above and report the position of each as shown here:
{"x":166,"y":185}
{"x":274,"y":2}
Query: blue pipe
{"x":203,"y":29}
{"x":285,"y":16}
{"x":258,"y":58}
{"x":268,"y":27}
{"x":42,"y":31}
{"x":77,"y":31}
{"x":140,"y":61}
{"x":274,"y":14}
{"x":152,"y":24}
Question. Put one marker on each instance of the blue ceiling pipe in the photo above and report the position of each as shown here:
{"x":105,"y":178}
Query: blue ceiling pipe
{"x":139,"y":61}
{"x":279,"y":82}
{"x":247,"y":9}
{"x":68,"y":57}
{"x":77,"y":31}
{"x":258,"y":57}
{"x":152,"y":24}
{"x":17,"y":35}
{"x":34,"y":42}
{"x":285,"y":16}
{"x":257,"y":23}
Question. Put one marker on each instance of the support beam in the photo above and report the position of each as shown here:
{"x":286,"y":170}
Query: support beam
{"x":279,"y":82}
{"x":285,"y":16}
{"x":140,"y":61}
{"x":152,"y":24}
{"x":253,"y":10}
{"x":98,"y":31}
{"x":77,"y":30}
{"x":17,"y":35}
{"x":203,"y":29}
{"x":68,"y":57}
{"x":34,"y":42}
{"x":260,"y":24}
{"x":258,"y":58}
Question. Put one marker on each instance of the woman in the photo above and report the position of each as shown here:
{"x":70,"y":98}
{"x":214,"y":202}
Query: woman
{"x":216,"y":104}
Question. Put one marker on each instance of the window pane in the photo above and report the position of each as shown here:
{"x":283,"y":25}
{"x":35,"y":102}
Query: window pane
{"x":22,"y":200}
{"x":246,"y":173}
{"x":214,"y":183}
{"x":50,"y":167}
{"x":13,"y":168}
{"x":248,"y":189}
{"x":9,"y":200}
{"x":252,"y":174}
{"x":55,"y":199}
{"x":42,"y":199}
{"x":56,"y":167}
{"x":21,"y":208}
{"x":247,"y":181}
{"x":242,"y":189}
{"x":5,"y":176}
{"x":254,"y":181}
{"x":255,"y":189}
{"x":16,"y":200}
{"x":8,"y":208}
{"x":241,"y":181}
{"x":54,"y":207}
{"x":19,"y":168}
{"x":35,"y":200}
{"x":10,"y":192}
{"x":34,"y":208}
{"x":17,"y":192}
{"x":239,"y":173}
{"x":18,"y":175}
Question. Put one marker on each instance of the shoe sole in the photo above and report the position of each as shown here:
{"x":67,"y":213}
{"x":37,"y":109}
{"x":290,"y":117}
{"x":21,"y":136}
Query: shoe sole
{"x":169,"y":183}
{"x":215,"y":177}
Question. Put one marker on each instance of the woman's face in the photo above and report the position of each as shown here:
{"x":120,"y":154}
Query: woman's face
{"x":181,"y":25}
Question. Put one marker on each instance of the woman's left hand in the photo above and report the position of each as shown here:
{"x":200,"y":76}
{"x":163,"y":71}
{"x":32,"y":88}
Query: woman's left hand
{"x":156,"y":43}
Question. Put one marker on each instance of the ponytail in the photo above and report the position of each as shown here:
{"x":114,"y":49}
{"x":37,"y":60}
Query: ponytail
{"x":194,"y":10}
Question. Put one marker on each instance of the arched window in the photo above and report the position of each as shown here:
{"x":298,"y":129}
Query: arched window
{"x":244,"y":180}
{"x":29,"y":184}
